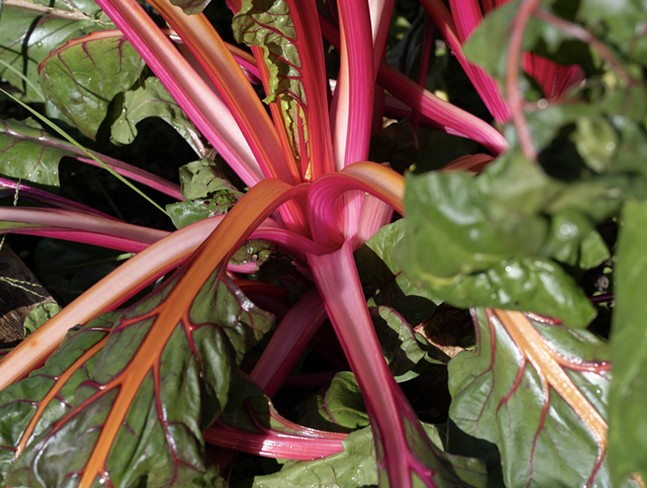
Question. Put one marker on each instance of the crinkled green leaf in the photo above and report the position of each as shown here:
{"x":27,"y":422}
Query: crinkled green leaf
{"x":39,"y":315}
{"x":499,"y":239}
{"x":28,"y":34}
{"x":627,"y":442}
{"x":185,"y":213}
{"x":201,"y":179}
{"x":538,"y":391}
{"x":268,"y":25}
{"x":383,"y":278}
{"x":142,"y":383}
{"x":150,"y":99}
{"x":82,"y":77}
{"x":26,"y":154}
{"x":342,"y":403}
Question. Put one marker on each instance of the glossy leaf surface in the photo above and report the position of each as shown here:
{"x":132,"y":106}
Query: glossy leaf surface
{"x":159,"y":372}
{"x":502,"y":238}
{"x":538,"y":391}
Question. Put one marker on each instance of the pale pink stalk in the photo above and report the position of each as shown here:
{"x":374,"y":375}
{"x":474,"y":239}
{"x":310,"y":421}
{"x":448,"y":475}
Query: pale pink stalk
{"x":396,"y":428}
{"x":292,"y":335}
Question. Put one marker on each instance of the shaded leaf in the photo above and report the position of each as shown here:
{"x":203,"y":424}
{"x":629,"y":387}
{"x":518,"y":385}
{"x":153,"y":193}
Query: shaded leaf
{"x":407,"y":353}
{"x":354,"y":467}
{"x":383,"y":278}
{"x":126,"y":398}
{"x":37,"y":27}
{"x":342,"y":403}
{"x":629,"y":390}
{"x":621,"y":22}
{"x":83,"y":76}
{"x":538,"y":391}
{"x":151,"y":99}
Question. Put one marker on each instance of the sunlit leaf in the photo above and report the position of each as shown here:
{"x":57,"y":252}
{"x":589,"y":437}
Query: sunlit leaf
{"x":626,"y":417}
{"x":538,"y":391}
{"x":83,"y":76}
{"x":37,"y":27}
{"x":501,"y":239}
{"x":290,"y":43}
{"x":127,"y":397}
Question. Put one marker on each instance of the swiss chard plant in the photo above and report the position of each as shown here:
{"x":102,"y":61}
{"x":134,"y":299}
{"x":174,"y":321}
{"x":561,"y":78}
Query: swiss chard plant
{"x":369,"y":177}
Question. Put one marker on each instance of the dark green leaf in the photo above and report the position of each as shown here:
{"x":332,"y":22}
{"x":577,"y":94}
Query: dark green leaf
{"x":268,"y":25}
{"x":407,"y":353}
{"x":621,"y":22}
{"x":629,"y":390}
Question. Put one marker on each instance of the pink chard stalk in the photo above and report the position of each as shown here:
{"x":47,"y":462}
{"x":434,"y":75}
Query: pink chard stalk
{"x":312,"y":192}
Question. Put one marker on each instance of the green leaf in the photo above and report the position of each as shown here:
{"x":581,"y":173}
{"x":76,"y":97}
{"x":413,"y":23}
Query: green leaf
{"x":407,"y":353}
{"x":29,"y":32}
{"x":207,"y":194}
{"x":269,"y":25}
{"x":627,"y":421}
{"x":28,"y":153}
{"x":538,"y":391}
{"x":621,"y":22}
{"x":342,"y":404}
{"x":126,"y":398}
{"x":494,"y":30}
{"x":150,"y":99}
{"x":201,"y":179}
{"x":354,"y":467}
{"x":500,"y":239}
{"x":384,"y":281}
{"x":82,"y":77}
{"x":39,"y":315}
